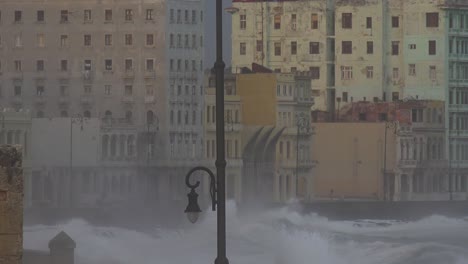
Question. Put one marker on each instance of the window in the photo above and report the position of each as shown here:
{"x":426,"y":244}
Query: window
{"x":171,"y":64}
{"x":370,"y":47}
{"x":128,"y":90}
{"x":128,"y":64}
{"x":277,"y":48}
{"x":277,"y":23}
{"x":417,"y":115}
{"x":128,"y":39}
{"x":87,"y":40}
{"x":432,"y":73}
{"x":171,"y":16}
{"x":347,"y":20}
{"x":64,"y":16}
{"x":313,"y":48}
{"x":194,"y":16}
{"x":395,"y":73}
{"x":18,"y":41}
{"x":17,"y":90}
{"x":259,"y":46}
{"x":412,"y":69}
{"x":150,"y":64}
{"x":314,"y":21}
{"x":108,"y":15}
{"x":345,"y":96}
{"x":395,"y":21}
{"x":18,"y":16}
{"x":186,"y":16}
{"x":315,"y":73}
{"x":395,"y":47}
{"x":63,"y":90}
{"x":194,"y":65}
{"x":179,"y":65}
{"x":412,"y":46}
{"x":346,"y":72}
{"x":87,"y":15}
{"x":293,"y":21}
{"x":432,"y":47}
{"x":149,"y":14}
{"x":40,"y":65}
{"x":346,"y":47}
{"x":242,"y":48}
{"x":186,"y":41}
{"x":368,"y":22}
{"x":293,"y":47}
{"x":64,"y":65}
{"x":432,"y":19}
{"x":107,"y":89}
{"x":39,"y":90}
{"x":63,"y":41}
{"x":128,"y":15}
{"x":179,"y":16}
{"x":108,"y":64}
{"x":40,"y":16}
{"x":194,"y":41}
{"x":108,"y":39}
{"x":149,"y":39}
{"x":87,"y":65}
{"x":40,"y":40}
{"x":370,"y":72}
{"x":243,"y":22}
{"x":87,"y":89}
{"x":18,"y":66}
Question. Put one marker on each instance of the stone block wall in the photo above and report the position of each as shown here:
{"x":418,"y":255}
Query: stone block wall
{"x":11,"y":205}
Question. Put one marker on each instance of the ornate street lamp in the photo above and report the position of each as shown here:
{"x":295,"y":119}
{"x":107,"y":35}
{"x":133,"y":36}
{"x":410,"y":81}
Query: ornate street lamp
{"x":303,"y":125}
{"x":218,"y":187}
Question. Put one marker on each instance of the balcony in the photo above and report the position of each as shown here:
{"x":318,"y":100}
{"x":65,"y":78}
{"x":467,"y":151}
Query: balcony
{"x":64,"y":100}
{"x":39,"y":100}
{"x":150,"y":99}
{"x":129,"y":74}
{"x":458,"y":133}
{"x":128,"y":99}
{"x":150,"y":74}
{"x":409,"y":164}
{"x":86,"y":99}
{"x":87,"y":75}
{"x":458,"y":108}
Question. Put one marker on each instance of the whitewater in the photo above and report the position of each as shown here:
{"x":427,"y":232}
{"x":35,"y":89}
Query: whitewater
{"x":279,"y":236}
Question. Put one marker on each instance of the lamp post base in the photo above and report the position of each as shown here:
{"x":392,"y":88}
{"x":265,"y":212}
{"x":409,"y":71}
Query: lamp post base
{"x":221,"y":261}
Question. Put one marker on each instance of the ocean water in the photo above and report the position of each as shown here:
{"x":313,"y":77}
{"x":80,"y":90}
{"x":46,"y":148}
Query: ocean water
{"x":279,"y":236}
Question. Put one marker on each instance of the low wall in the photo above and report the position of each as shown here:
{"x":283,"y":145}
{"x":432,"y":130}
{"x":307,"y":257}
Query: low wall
{"x":408,"y":210}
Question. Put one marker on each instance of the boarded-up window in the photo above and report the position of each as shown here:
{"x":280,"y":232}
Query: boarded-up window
{"x":346,"y":47}
{"x":395,"y":47}
{"x":432,"y":47}
{"x":314,"y":21}
{"x":347,"y":20}
{"x":313,"y":48}
{"x":277,"y":48}
{"x":259,"y":46}
{"x":277,"y":21}
{"x":432,"y":19}
{"x":314,"y":73}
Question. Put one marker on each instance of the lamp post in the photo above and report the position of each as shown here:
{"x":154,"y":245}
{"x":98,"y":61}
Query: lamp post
{"x":388,"y":125}
{"x":303,"y":124}
{"x":218,"y":186}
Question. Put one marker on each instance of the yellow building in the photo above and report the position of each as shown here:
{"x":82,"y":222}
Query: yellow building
{"x":350,"y":160}
{"x":261,"y":133}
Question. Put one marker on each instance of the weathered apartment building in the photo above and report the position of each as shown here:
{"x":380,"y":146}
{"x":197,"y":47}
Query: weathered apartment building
{"x":134,"y":65}
{"x":267,"y":150}
{"x":365,"y":50}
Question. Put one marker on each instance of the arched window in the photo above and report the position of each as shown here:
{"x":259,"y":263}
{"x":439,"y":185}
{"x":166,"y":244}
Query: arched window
{"x":113,"y":146}
{"x":63,"y":113}
{"x":105,"y":146}
{"x":149,"y":117}
{"x":128,"y":116}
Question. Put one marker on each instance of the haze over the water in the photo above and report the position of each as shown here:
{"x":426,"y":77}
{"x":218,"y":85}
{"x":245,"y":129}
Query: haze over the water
{"x":279,"y":236}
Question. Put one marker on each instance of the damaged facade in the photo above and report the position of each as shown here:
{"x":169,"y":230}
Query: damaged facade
{"x":368,"y":51}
